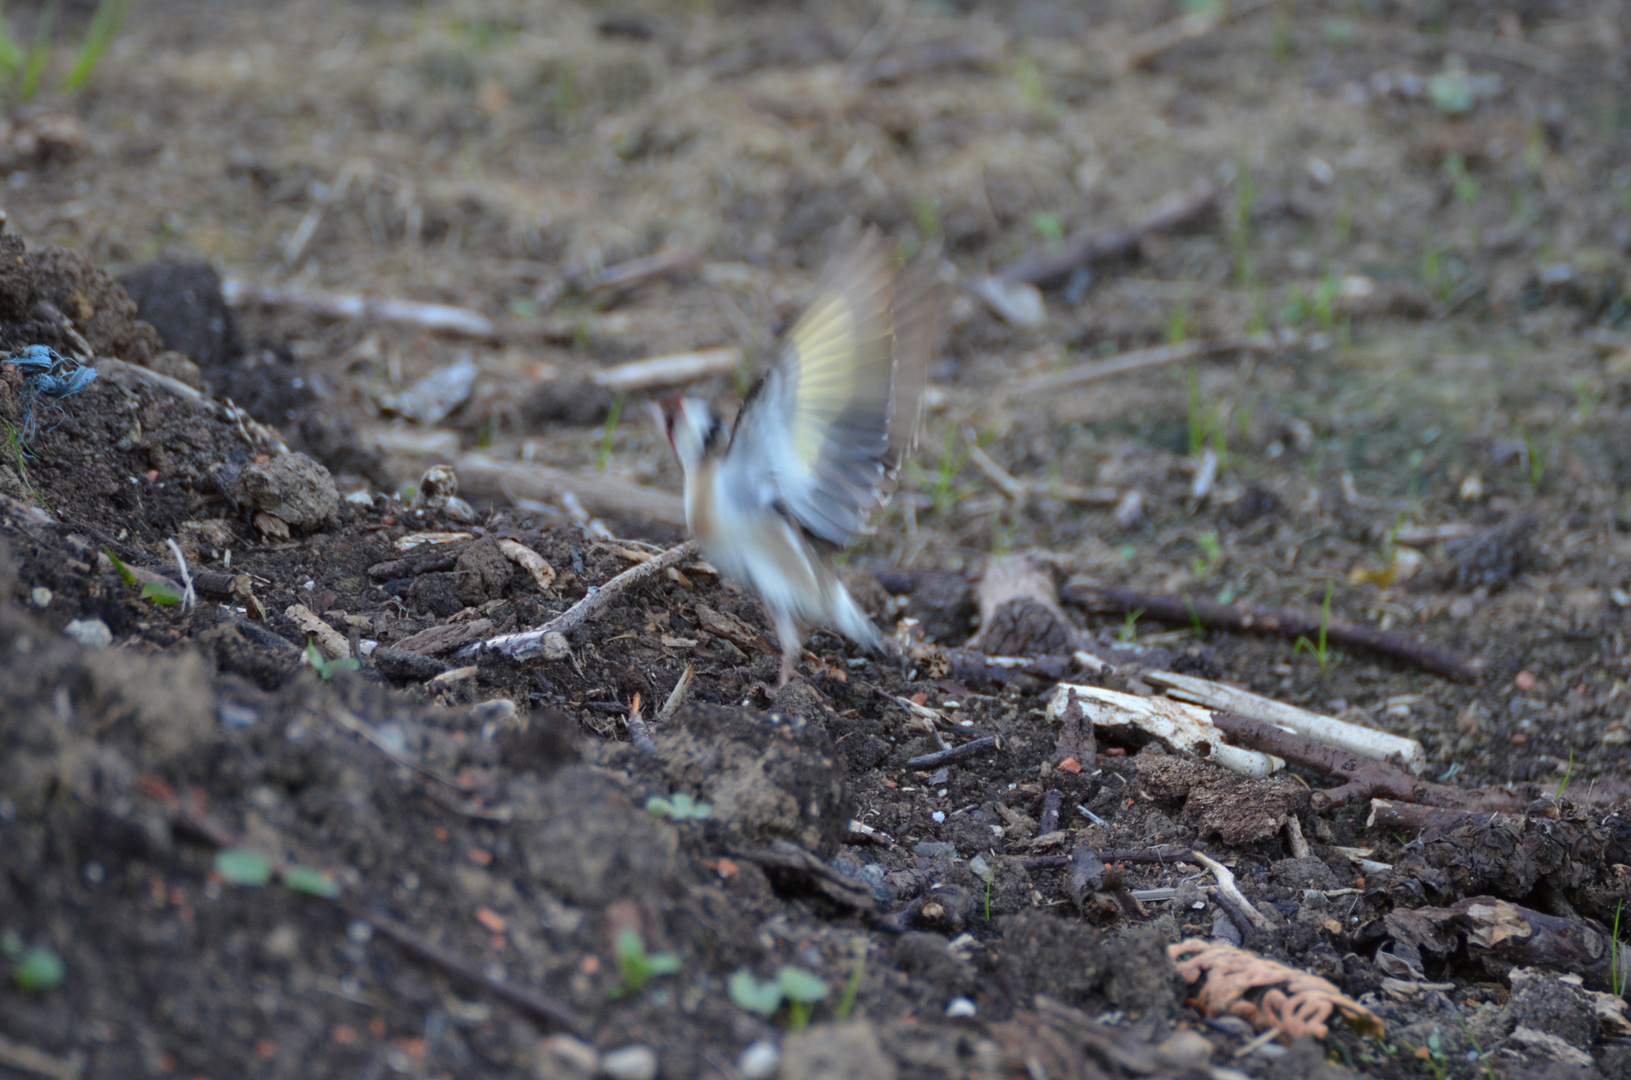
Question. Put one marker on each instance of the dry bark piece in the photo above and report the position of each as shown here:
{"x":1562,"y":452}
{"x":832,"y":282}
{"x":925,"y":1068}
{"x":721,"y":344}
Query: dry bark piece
{"x":1264,"y":992}
{"x":446,"y":637}
{"x":734,"y":630}
{"x":1503,"y":935}
{"x":1019,"y":611}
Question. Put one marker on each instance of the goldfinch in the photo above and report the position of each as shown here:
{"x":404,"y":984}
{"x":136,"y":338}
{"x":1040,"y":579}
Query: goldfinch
{"x":815,"y":447}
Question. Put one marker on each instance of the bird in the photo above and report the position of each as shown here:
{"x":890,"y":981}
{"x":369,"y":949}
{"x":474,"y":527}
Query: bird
{"x":816,"y":445}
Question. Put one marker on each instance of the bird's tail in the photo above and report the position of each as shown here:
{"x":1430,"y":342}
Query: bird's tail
{"x":851,"y":621}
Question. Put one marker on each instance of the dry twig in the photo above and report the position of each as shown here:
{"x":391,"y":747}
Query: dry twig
{"x":1363,"y":778}
{"x":530,"y":643}
{"x":1054,"y":267}
{"x":1187,"y":610}
{"x":1157,"y":356}
{"x":491,"y":477}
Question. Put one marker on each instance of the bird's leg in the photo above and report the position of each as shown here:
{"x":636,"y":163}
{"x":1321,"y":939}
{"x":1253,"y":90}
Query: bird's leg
{"x":791,"y":641}
{"x":789,"y":670}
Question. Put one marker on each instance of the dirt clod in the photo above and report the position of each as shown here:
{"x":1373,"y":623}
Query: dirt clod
{"x":293,"y":488}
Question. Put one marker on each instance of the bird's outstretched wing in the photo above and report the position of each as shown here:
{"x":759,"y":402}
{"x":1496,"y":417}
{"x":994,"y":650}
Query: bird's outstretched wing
{"x":823,"y":434}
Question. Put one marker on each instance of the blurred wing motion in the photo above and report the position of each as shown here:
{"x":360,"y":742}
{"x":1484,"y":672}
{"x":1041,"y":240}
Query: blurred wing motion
{"x":824,"y":433}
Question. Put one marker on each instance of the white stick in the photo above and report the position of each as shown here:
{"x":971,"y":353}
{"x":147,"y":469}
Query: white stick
{"x":188,"y":596}
{"x":676,"y":370}
{"x":1184,"y":727}
{"x":445,"y":318}
{"x":1326,"y":730}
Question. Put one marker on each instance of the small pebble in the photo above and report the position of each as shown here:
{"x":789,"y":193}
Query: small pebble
{"x":960,"y":1007}
{"x":91,"y":633}
{"x":554,"y":647}
{"x":40,"y":595}
{"x":759,"y":1061}
{"x":576,"y":1057}
{"x":630,"y":1063}
{"x":1525,"y":681}
{"x":234,"y":715}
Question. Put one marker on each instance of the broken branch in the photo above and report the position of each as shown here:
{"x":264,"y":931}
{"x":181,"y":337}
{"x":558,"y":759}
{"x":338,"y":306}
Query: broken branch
{"x":1187,"y":610}
{"x":1157,"y":356}
{"x":530,"y":643}
{"x":1052,"y":268}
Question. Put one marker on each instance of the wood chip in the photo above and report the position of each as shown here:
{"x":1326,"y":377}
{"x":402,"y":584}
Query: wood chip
{"x":419,"y":539}
{"x":530,"y":561}
{"x":328,"y":639}
{"x":446,"y":637}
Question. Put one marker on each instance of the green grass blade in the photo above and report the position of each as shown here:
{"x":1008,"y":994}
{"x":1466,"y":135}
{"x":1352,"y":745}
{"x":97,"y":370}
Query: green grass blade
{"x":105,"y":26}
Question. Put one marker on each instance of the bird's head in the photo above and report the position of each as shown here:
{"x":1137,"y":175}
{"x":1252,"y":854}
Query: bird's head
{"x":694,"y":431}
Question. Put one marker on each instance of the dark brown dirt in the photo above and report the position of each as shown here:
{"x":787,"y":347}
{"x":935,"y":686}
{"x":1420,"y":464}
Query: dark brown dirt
{"x":1439,"y":448}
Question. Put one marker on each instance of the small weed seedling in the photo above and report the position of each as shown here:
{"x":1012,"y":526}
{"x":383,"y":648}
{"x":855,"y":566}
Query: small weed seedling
{"x":1128,"y":634}
{"x":603,"y":452}
{"x":1567,"y":773}
{"x":852,"y":987}
{"x":1207,"y":561}
{"x":1048,"y":226}
{"x":678,"y":807}
{"x":253,"y":870}
{"x":637,"y":966}
{"x":1616,"y":975}
{"x":325,"y":668}
{"x":1240,"y":225}
{"x":1322,"y":655}
{"x":33,"y":967}
{"x":159,"y":593}
{"x":798,"y":988}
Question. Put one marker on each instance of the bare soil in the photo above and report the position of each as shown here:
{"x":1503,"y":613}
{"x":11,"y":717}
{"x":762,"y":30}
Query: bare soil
{"x":1429,"y":205}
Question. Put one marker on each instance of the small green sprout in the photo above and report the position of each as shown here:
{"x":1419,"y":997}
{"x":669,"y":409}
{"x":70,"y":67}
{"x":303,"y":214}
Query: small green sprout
{"x":1322,"y":655}
{"x":33,"y":968}
{"x":1048,"y":226}
{"x":603,"y":452}
{"x":160,"y":593}
{"x":241,"y":866}
{"x":1128,"y":634}
{"x":1211,"y":554}
{"x":310,"y":881}
{"x":326,"y":668}
{"x":105,"y":26}
{"x":852,"y":987}
{"x":637,"y":966}
{"x":678,"y":807}
{"x":124,"y":571}
{"x":253,"y":870}
{"x":800,"y":989}
{"x":1616,"y":977}
{"x":1567,"y":773}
